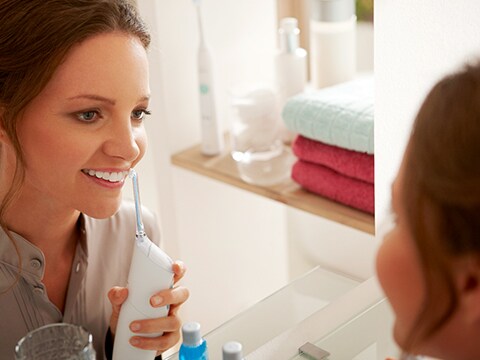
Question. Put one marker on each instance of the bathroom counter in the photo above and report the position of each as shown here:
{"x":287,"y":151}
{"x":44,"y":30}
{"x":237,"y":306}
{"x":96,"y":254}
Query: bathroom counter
{"x":348,"y":318}
{"x":223,"y":168}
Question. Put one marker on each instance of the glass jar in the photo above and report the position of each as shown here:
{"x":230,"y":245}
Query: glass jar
{"x":257,"y":146}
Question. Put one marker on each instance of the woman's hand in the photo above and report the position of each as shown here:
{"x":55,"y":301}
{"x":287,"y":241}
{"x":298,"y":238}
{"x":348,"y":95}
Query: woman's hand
{"x":170,"y":325}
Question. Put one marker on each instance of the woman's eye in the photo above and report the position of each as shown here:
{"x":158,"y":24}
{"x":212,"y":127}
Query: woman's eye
{"x":140,"y":114}
{"x":87,"y":116}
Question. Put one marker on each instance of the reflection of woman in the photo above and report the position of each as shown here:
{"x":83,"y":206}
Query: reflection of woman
{"x":73,"y":96}
{"x":429,"y":264}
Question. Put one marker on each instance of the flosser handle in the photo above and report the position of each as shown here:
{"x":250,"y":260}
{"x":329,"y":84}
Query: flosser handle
{"x":150,"y":272}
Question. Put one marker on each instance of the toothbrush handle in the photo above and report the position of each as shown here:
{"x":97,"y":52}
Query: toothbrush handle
{"x":146,"y":277}
{"x":212,"y":139}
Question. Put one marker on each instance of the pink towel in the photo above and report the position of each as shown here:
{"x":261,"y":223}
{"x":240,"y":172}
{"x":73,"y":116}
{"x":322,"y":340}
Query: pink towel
{"x":354,"y":164}
{"x":328,"y":183}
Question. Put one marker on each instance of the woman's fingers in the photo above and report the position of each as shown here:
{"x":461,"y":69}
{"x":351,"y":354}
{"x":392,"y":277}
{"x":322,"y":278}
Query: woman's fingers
{"x":117,"y":296}
{"x":179,"y":270}
{"x":165,"y":324}
{"x":175,"y":296}
{"x":159,"y":343}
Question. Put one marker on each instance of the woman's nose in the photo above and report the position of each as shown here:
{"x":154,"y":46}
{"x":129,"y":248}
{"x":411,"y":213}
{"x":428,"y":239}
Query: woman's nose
{"x":124,"y":140}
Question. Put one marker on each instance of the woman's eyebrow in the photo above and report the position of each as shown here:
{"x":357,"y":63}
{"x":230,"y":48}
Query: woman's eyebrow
{"x":103,"y":99}
{"x":93,"y":97}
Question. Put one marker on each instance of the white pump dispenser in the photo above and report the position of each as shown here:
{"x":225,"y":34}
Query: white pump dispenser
{"x":291,"y":61}
{"x":290,"y":67}
{"x":150,"y":272}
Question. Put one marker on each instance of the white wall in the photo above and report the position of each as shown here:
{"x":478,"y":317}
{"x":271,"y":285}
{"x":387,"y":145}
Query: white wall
{"x":416,"y":42}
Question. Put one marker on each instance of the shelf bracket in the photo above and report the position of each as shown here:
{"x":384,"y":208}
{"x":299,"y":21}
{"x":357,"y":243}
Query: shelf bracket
{"x":313,"y":352}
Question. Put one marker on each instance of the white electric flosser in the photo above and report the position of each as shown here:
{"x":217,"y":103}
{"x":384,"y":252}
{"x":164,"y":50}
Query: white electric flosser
{"x":212,"y":138}
{"x":150,"y":272}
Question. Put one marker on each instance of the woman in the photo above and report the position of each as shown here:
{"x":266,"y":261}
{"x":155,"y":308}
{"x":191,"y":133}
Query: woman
{"x":429,"y":264}
{"x":74,"y":94}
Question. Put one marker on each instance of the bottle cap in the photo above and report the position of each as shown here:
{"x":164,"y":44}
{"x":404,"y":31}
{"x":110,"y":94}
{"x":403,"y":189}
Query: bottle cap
{"x":232,"y":350}
{"x":191,"y":334}
{"x":289,"y":25}
{"x":289,"y":32}
{"x":332,"y":10}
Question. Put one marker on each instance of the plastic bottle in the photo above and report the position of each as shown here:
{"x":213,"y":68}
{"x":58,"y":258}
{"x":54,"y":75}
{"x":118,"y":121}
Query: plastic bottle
{"x":332,"y":42}
{"x":290,"y":67}
{"x":194,"y":347}
{"x":232,"y":350}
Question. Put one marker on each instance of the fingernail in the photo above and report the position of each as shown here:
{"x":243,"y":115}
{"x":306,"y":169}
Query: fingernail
{"x":134,"y":341}
{"x":135,"y":326}
{"x":156,"y":300}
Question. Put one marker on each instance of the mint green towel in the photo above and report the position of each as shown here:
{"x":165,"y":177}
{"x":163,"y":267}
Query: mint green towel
{"x":341,"y":115}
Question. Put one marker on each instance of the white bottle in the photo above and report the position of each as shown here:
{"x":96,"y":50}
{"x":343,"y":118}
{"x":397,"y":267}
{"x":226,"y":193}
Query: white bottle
{"x":332,"y":42}
{"x":290,"y":67}
{"x":232,"y":350}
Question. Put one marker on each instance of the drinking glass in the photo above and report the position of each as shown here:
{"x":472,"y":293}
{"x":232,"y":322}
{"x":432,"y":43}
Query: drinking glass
{"x":59,"y":341}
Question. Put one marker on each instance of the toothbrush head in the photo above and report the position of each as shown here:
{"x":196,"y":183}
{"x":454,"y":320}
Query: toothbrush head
{"x":197,"y":2}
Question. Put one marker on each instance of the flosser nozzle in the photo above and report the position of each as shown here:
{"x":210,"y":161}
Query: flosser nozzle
{"x":138,"y":209}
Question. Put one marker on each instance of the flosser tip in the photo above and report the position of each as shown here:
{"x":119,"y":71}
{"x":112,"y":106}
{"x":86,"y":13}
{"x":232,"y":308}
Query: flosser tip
{"x":132,"y":173}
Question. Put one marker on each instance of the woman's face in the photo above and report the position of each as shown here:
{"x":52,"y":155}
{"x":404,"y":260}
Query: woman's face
{"x":85,"y":130}
{"x":401,"y":276}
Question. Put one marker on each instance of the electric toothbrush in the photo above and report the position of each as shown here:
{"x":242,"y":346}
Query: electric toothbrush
{"x":212,"y":138}
{"x":150,"y":271}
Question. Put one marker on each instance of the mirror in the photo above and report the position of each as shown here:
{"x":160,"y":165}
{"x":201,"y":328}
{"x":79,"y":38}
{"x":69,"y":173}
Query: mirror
{"x":247,"y":245}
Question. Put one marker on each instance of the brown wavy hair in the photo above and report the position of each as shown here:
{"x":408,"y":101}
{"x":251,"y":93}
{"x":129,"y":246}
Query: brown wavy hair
{"x":35,"y":37}
{"x":442,"y":190}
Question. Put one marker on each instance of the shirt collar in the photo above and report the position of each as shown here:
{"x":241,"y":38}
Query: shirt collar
{"x":18,"y":253}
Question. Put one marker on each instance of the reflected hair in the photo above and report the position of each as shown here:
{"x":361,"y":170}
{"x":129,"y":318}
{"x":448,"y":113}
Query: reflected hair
{"x":442,"y":191}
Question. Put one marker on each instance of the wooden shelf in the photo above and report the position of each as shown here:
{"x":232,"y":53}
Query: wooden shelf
{"x":223,"y":168}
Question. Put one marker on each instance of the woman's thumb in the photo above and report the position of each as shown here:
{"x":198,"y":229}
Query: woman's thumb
{"x":117,"y":296}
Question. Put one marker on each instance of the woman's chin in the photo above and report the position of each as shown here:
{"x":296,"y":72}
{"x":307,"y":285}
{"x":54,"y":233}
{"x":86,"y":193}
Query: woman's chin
{"x":399,"y":337}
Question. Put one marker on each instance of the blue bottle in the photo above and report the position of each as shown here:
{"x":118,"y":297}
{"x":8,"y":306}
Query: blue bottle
{"x":193,"y":346}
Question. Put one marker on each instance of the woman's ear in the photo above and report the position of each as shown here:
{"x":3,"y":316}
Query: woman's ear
{"x":468,"y":284}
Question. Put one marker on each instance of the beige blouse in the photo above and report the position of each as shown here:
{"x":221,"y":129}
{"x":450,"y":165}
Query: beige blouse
{"x":102,"y":260}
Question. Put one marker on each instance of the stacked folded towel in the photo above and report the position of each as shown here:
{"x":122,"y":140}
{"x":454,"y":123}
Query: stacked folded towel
{"x":335,"y":145}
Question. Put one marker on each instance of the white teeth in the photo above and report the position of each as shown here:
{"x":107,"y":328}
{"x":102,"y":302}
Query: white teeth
{"x":109,"y":176}
{"x":116,"y":176}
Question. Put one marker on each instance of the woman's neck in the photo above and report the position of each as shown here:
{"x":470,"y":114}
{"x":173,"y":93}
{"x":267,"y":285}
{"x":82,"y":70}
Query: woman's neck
{"x":53,"y":230}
